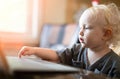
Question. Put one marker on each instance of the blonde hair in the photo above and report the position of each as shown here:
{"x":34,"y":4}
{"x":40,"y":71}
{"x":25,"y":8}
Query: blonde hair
{"x":110,"y":15}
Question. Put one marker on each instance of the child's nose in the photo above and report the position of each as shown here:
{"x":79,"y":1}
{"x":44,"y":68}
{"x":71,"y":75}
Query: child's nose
{"x":81,"y":32}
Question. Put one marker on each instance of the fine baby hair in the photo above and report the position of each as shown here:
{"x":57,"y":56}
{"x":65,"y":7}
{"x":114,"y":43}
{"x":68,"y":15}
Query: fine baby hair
{"x":108,"y":16}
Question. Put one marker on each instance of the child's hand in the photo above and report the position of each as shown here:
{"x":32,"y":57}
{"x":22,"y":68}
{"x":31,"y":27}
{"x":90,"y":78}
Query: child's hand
{"x":26,"y":50}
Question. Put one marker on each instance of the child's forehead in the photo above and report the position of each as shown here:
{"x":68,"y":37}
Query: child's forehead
{"x":86,"y":16}
{"x":91,"y":17}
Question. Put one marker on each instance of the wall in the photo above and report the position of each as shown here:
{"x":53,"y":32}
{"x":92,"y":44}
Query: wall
{"x":54,"y":11}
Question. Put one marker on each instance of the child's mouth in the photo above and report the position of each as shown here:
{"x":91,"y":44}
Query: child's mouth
{"x":81,"y":40}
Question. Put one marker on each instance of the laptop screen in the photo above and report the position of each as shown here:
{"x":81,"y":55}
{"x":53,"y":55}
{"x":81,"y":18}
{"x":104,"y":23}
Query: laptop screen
{"x":3,"y":62}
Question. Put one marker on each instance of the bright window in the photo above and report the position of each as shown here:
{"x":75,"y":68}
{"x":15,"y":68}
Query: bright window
{"x":18,"y":20}
{"x":13,"y":15}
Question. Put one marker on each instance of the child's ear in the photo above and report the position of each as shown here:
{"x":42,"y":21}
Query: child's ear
{"x":107,"y":34}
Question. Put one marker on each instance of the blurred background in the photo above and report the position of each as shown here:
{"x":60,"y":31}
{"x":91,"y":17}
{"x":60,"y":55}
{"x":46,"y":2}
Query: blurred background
{"x":42,"y":23}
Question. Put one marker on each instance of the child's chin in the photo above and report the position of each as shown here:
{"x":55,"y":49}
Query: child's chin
{"x":83,"y":45}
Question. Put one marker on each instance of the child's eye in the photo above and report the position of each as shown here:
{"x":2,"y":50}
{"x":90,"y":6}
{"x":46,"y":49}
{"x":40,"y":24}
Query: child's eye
{"x":87,"y":27}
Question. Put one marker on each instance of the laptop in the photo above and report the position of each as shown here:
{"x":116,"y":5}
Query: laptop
{"x":32,"y":65}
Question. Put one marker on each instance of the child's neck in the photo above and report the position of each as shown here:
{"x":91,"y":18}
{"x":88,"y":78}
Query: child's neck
{"x":97,"y":53}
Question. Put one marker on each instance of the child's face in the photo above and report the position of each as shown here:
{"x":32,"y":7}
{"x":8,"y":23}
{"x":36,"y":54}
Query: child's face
{"x":91,"y":33}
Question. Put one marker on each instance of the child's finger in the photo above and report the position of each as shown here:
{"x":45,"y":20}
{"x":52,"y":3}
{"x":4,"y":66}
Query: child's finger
{"x":21,"y":52}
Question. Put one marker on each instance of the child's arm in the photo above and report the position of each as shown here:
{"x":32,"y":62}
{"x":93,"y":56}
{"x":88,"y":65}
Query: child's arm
{"x":44,"y":53}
